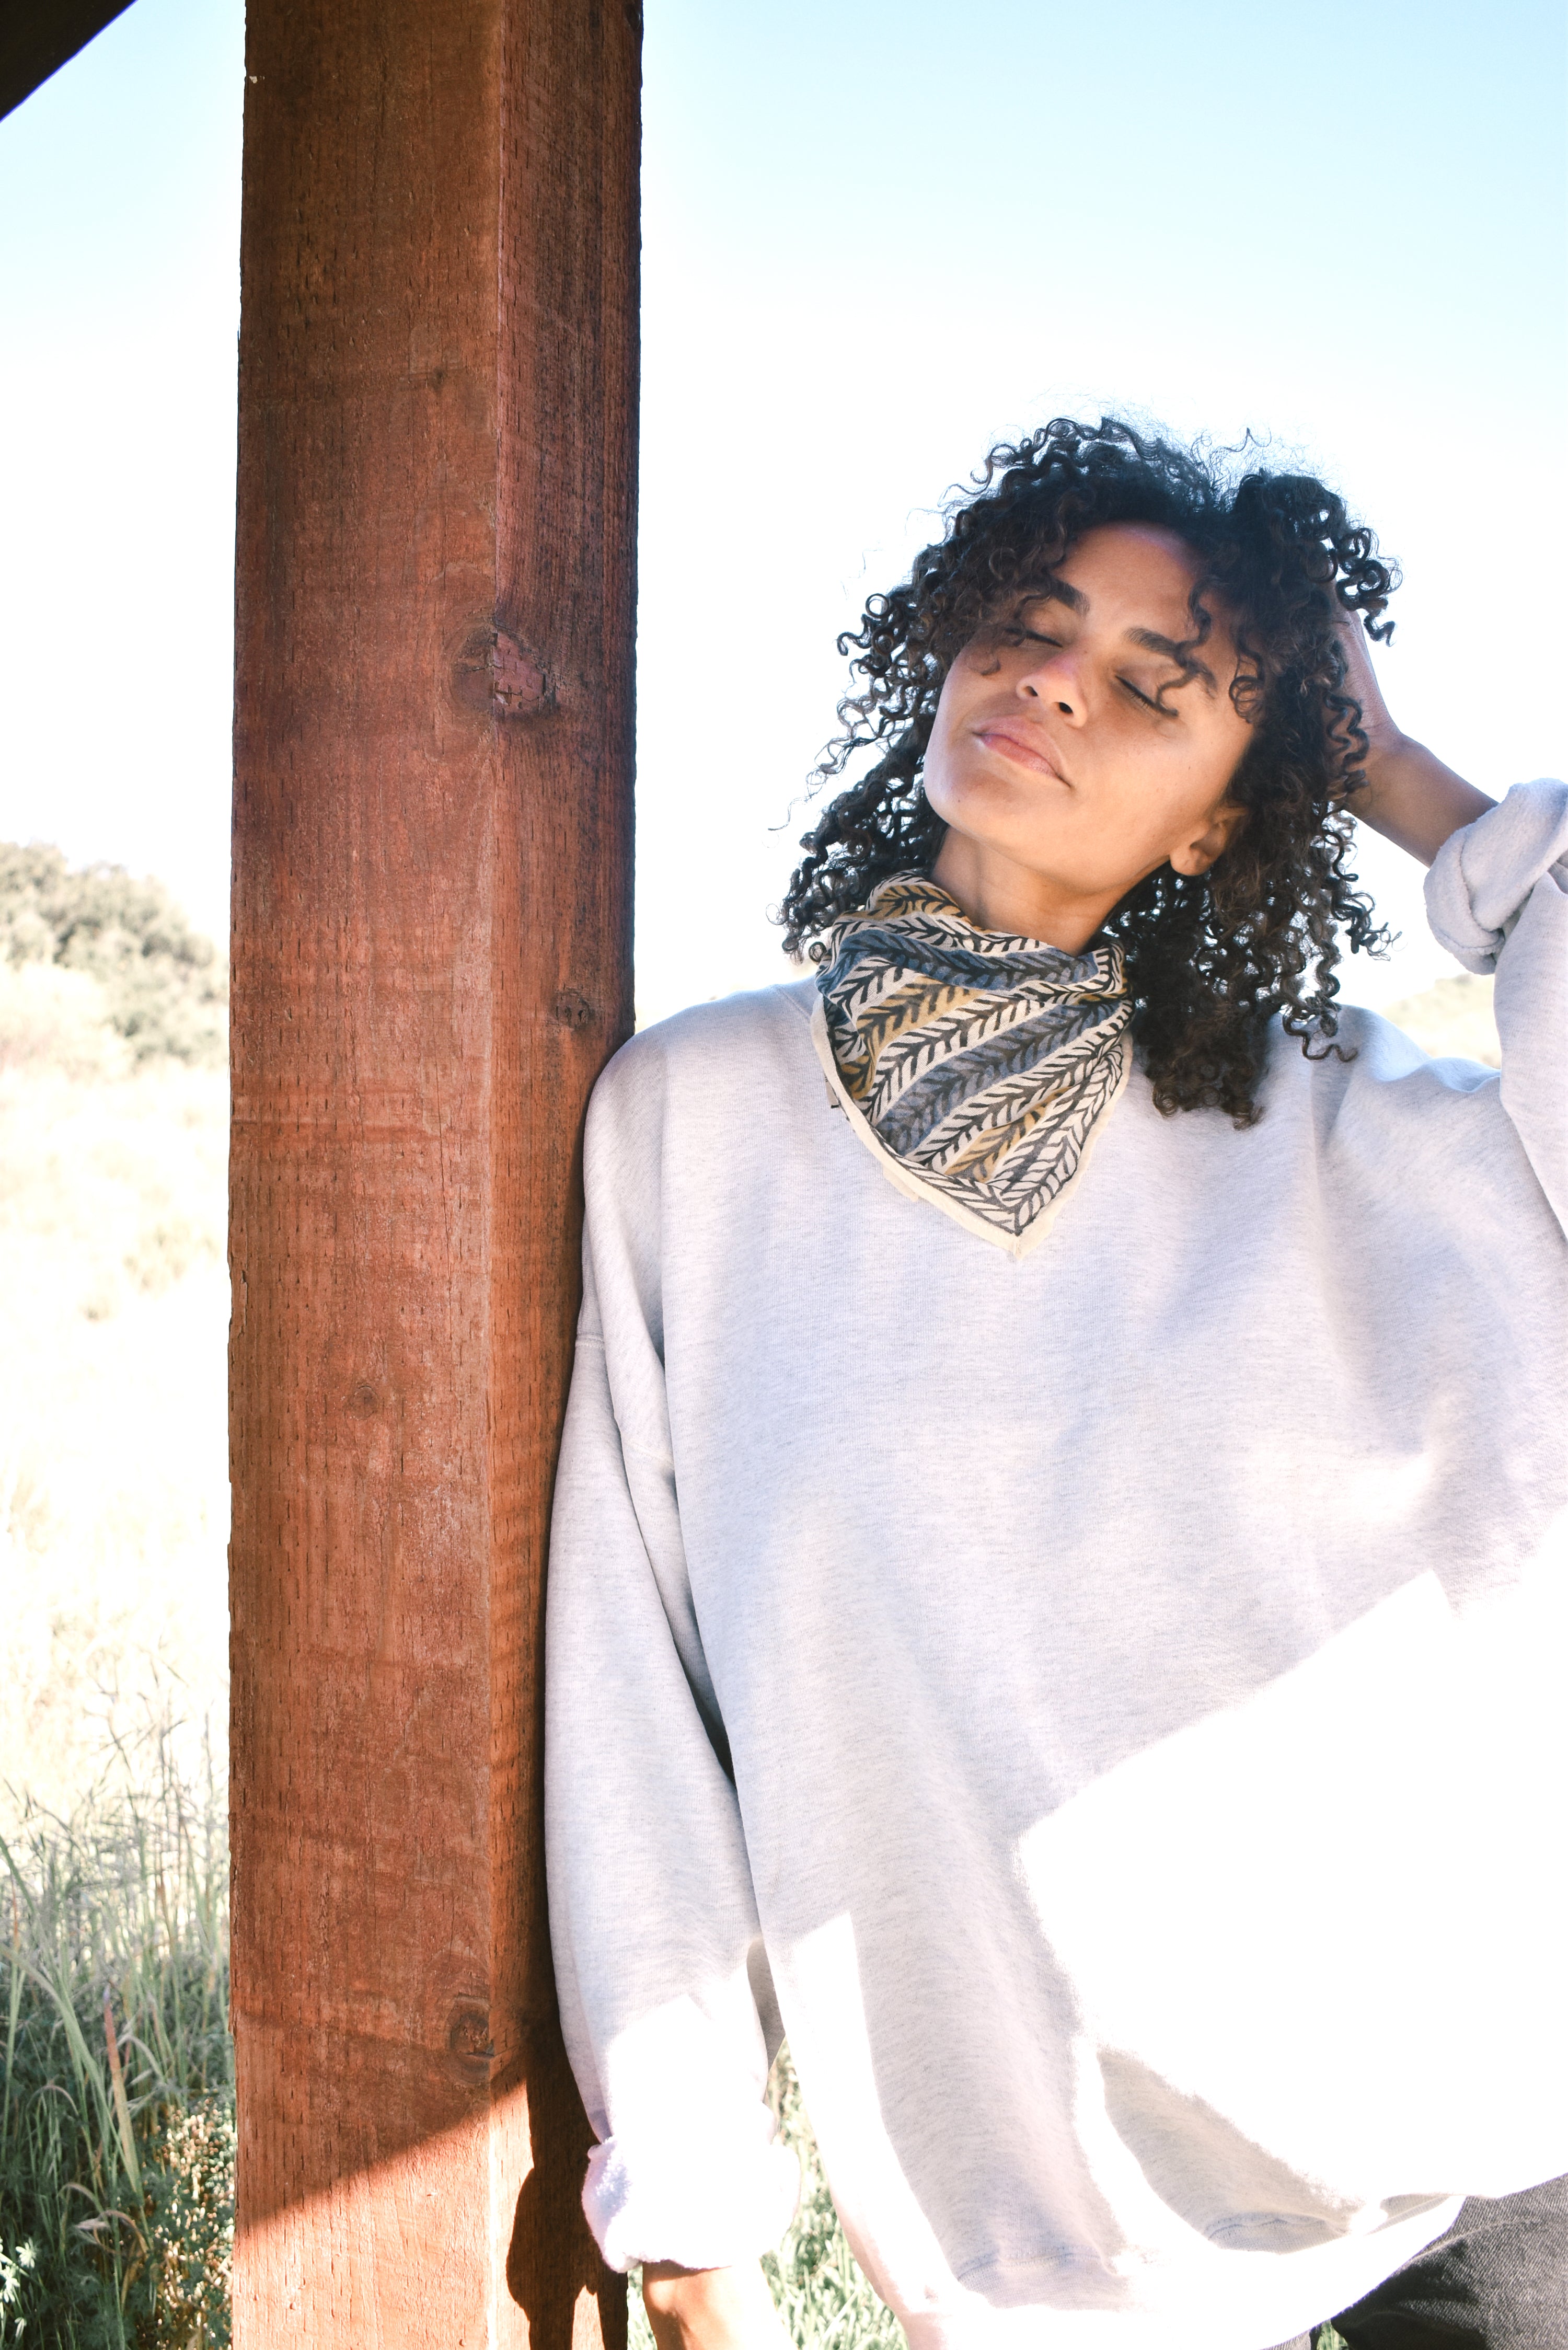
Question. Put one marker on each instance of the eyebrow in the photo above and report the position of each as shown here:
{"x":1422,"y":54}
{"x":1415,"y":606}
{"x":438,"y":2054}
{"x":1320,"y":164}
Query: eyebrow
{"x":1184,"y":661}
{"x":1058,"y":591}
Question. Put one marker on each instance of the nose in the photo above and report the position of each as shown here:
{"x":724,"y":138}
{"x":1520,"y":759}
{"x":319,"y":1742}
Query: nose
{"x":1055,"y":680}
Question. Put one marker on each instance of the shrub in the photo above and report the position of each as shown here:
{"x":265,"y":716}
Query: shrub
{"x":818,"y":2287}
{"x":162,"y":987}
{"x":117,"y":2110}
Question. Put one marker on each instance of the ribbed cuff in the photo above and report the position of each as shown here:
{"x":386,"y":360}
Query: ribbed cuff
{"x":1483,"y":873}
{"x":664,"y":2196}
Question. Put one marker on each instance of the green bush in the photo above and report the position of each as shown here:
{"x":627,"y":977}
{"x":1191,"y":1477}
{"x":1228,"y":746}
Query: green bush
{"x":818,"y":2287}
{"x":817,"y":2283}
{"x":164,"y":988}
{"x":117,"y":2110}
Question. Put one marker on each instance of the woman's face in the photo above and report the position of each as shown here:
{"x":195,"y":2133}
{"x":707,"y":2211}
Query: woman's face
{"x":1070,"y":765}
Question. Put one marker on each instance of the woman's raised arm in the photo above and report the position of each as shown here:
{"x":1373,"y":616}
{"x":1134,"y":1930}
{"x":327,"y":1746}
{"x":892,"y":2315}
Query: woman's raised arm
{"x":1409,"y":795}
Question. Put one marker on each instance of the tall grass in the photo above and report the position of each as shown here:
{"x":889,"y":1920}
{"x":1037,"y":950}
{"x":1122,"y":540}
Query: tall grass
{"x":117,"y":2105}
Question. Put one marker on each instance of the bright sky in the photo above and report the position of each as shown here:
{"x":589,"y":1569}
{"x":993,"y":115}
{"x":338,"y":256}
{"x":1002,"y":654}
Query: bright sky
{"x":878,"y":235}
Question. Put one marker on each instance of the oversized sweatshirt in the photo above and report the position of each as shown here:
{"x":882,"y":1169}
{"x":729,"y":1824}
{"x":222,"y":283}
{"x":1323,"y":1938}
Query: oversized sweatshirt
{"x":1108,"y":1708}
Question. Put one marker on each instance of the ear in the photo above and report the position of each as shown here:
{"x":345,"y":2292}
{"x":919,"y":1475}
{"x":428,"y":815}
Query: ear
{"x":1196,"y":855}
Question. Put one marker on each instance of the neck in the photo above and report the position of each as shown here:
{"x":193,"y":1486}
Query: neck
{"x":996,"y":893}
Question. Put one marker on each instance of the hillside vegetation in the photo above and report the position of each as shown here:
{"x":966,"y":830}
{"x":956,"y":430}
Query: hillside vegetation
{"x":101,"y":971}
{"x":113,"y":1316}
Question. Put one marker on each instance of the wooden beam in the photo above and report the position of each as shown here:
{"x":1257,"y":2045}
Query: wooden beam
{"x":431,"y":961}
{"x":39,"y":37}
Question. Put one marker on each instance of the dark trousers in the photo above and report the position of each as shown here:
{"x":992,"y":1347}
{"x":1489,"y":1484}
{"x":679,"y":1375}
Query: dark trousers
{"x":1497,"y":2281}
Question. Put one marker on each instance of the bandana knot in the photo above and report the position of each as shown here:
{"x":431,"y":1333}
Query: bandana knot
{"x":974,"y":1064}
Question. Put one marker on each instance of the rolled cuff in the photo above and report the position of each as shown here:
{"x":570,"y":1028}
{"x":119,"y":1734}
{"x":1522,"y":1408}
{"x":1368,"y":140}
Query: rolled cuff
{"x":706,"y":2206}
{"x":1483,"y":873}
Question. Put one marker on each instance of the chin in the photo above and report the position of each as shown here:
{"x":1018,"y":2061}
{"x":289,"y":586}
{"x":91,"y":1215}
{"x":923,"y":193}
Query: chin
{"x":994,"y":813}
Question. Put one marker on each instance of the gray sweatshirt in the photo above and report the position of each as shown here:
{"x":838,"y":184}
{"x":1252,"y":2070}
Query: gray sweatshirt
{"x":1107,"y":1706}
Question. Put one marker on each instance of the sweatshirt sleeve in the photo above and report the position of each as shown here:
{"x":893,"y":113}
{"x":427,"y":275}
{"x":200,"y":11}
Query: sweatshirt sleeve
{"x":1497,"y":898}
{"x":662,"y":1982}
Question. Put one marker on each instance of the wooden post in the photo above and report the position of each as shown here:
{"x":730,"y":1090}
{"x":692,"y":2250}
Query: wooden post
{"x":433,"y":843}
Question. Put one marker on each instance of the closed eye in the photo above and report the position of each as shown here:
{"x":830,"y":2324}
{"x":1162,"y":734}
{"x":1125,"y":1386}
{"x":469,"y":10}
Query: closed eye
{"x":1157,"y":707}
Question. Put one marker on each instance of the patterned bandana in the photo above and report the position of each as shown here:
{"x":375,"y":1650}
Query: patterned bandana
{"x":974,"y":1065}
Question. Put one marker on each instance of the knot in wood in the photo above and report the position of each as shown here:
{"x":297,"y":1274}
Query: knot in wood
{"x":363,"y":1400}
{"x":494,"y":674}
{"x":516,"y":680}
{"x":468,"y":2041}
{"x":572,"y":1009}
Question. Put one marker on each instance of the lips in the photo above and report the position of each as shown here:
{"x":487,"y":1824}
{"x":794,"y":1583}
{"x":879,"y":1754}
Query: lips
{"x":1010,"y":742}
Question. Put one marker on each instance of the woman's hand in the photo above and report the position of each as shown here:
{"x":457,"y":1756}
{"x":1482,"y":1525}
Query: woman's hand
{"x":1409,"y":795}
{"x":711,"y":2309}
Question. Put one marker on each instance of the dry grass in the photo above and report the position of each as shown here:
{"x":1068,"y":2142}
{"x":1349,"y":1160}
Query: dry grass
{"x":113,"y":1488}
{"x":1454,"y":1016}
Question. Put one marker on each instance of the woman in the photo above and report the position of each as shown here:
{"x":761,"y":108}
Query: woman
{"x":1056,"y":1591}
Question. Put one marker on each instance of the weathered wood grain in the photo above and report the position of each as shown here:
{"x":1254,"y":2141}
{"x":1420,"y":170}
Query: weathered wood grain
{"x":431,"y":961}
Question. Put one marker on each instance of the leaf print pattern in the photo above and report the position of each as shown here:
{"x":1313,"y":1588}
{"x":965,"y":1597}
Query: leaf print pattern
{"x":980,"y":1060}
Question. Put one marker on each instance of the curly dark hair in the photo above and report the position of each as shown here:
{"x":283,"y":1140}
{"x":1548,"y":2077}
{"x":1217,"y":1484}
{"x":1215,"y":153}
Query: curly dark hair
{"x":1209,"y":959}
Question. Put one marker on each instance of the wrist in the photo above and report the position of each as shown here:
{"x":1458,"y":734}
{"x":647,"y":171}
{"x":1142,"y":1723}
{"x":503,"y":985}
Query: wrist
{"x":1388,"y":749}
{"x":1413,"y":799}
